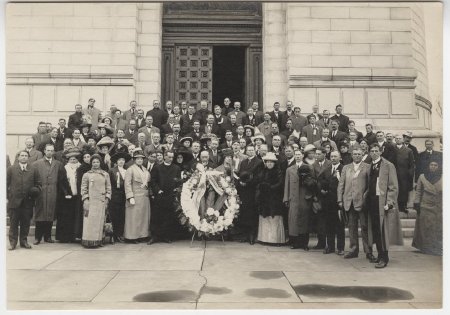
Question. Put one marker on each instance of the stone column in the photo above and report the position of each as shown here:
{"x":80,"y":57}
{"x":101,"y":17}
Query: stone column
{"x":274,"y":55}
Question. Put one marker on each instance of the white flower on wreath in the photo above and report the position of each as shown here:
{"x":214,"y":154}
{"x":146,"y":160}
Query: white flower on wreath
{"x":210,"y":211}
{"x":216,"y":213}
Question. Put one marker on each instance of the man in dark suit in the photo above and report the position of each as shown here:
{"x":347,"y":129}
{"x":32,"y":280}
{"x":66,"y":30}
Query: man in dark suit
{"x":53,"y":139}
{"x":130,"y":113}
{"x":215,"y":157}
{"x":226,"y":106}
{"x":336,"y":134}
{"x":334,"y":225}
{"x":343,"y":120}
{"x":318,"y":220}
{"x":196,"y":134}
{"x":370,"y":136}
{"x":251,"y":119}
{"x":211,"y":126}
{"x":238,"y":113}
{"x":76,"y":119}
{"x":203,"y":112}
{"x":259,"y":114}
{"x":168,"y":127}
{"x":325,"y":121}
{"x":407,"y":137}
{"x":228,"y":141}
{"x":351,"y":127}
{"x":404,"y":165}
{"x":63,"y":131}
{"x":277,"y":116}
{"x":298,"y":120}
{"x":387,"y":149}
{"x":249,"y":168}
{"x":312,"y":132}
{"x":221,"y":120}
{"x":140,"y":119}
{"x":159,"y":116}
{"x":425,"y":157}
{"x":21,"y":178}
{"x":187,"y":120}
{"x":131,"y":133}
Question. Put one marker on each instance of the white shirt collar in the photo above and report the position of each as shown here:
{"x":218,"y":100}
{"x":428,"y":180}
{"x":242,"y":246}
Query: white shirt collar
{"x":376,"y":161}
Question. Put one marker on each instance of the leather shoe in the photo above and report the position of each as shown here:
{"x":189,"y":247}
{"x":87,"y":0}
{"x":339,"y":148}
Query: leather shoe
{"x":328,"y":251}
{"x":319,"y":247}
{"x":49,"y":240}
{"x":371,"y":258}
{"x":381,"y":264}
{"x":340,"y":252}
{"x":295,"y":246}
{"x":351,"y":255}
{"x":12,"y":247}
{"x":306,"y":248}
{"x":25,"y":245}
{"x":37,"y":242}
{"x":252,"y":240}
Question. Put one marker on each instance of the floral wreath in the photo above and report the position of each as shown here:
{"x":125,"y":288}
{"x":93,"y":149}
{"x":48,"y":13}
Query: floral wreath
{"x":216,"y":218}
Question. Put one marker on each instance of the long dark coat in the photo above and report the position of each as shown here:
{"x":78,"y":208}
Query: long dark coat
{"x":405,"y":172}
{"x":248,"y":214}
{"x":164,"y":221}
{"x":54,"y":186}
{"x":117,"y":204}
{"x":269,"y":192}
{"x":300,"y":202}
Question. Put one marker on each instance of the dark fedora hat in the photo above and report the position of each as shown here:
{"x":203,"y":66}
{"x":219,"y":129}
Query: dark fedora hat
{"x":120,"y":155}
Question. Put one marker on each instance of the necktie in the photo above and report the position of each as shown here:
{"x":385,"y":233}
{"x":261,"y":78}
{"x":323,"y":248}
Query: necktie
{"x":118,"y":180}
{"x":333,"y":170}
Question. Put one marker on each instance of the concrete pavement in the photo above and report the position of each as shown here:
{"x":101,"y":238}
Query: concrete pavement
{"x":216,"y":275}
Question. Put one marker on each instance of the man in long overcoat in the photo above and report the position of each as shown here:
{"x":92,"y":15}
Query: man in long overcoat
{"x":54,"y":185}
{"x":20,"y":180}
{"x":384,"y":221}
{"x":296,"y":199}
{"x":404,"y":164}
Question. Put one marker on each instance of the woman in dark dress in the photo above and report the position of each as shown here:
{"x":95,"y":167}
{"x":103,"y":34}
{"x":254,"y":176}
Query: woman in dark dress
{"x":67,"y":207}
{"x":84,"y":168}
{"x":269,"y":200}
{"x":116,"y":208}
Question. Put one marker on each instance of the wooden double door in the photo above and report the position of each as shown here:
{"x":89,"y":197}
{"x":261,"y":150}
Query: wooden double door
{"x":192,"y":73}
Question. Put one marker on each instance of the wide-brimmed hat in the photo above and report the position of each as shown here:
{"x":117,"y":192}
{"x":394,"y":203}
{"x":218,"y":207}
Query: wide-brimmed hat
{"x":85,"y":124}
{"x":187,"y":139}
{"x":105,"y":141}
{"x":408,"y":134}
{"x":309,"y":147}
{"x":72,"y":152}
{"x":34,"y":192}
{"x":270,"y":156}
{"x":138,"y":153}
{"x":96,"y":156}
{"x":260,"y":136}
{"x":187,"y":155}
{"x":87,"y":149}
{"x":120,"y":155}
{"x":205,"y":138}
{"x":227,"y":152}
{"x":250,"y":127}
{"x":107,"y":117}
{"x":107,"y":128}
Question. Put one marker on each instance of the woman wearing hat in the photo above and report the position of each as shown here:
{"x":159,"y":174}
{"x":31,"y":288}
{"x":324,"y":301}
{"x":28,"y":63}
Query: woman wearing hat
{"x":310,"y":152}
{"x":67,"y":209}
{"x":137,"y":208}
{"x":183,"y":158}
{"x":84,"y":167}
{"x":104,"y":147}
{"x":116,"y":208}
{"x":95,"y":194}
{"x":104,"y":130}
{"x":269,"y":201}
{"x":186,"y":142}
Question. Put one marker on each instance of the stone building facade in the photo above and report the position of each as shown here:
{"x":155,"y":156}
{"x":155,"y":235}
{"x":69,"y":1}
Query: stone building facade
{"x":371,"y":58}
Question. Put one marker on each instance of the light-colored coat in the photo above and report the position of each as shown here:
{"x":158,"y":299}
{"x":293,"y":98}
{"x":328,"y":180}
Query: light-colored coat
{"x":389,"y":220}
{"x":95,"y":189}
{"x":299,"y":204}
{"x":353,"y":186}
{"x":137,"y":216}
{"x":91,"y":116}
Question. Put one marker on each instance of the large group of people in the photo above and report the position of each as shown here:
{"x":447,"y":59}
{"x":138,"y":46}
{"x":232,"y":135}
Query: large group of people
{"x":295,"y":175}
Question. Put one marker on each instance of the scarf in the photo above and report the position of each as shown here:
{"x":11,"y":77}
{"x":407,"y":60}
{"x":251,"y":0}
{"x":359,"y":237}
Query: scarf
{"x":71,"y":169}
{"x":432,"y":177}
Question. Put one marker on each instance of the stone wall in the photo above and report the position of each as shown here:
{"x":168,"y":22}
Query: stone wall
{"x":363,"y":56}
{"x":61,"y":54}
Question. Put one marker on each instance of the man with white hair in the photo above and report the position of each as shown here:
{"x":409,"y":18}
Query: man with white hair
{"x":203,"y":112}
{"x":34,"y":154}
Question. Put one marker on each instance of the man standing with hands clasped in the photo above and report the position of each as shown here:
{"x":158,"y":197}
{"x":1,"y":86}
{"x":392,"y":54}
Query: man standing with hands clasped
{"x":381,"y":200}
